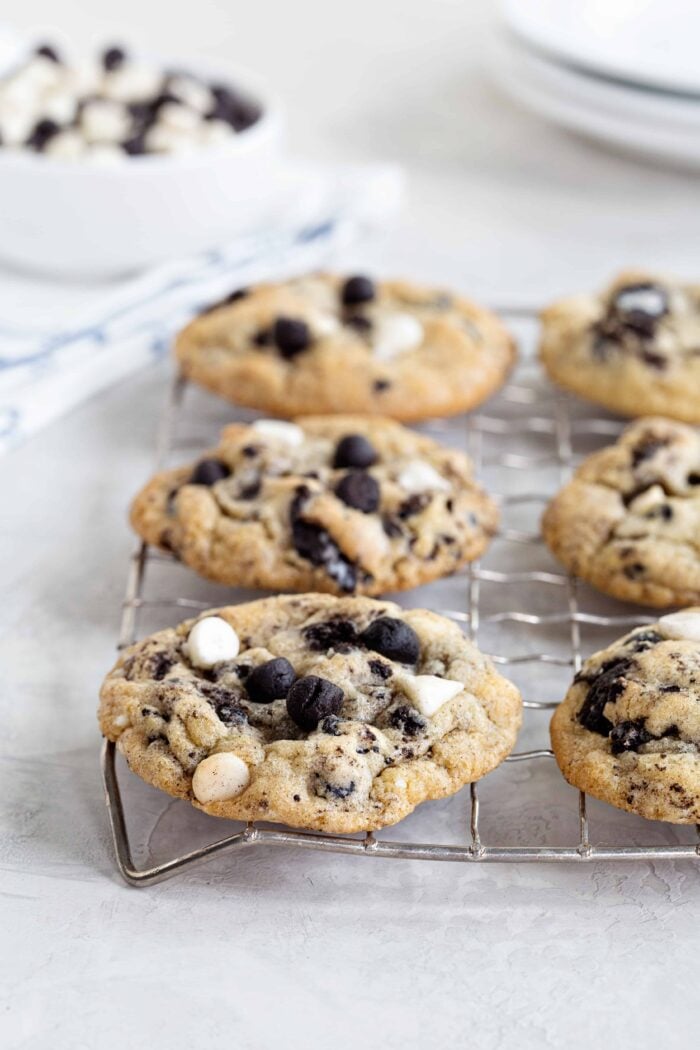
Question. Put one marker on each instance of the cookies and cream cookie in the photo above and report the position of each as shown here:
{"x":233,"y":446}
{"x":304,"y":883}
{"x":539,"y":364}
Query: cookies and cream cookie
{"x":634,"y":348}
{"x":335,"y":503}
{"x":628,"y":730}
{"x":338,"y":714}
{"x":629,"y":520}
{"x":327,"y":344}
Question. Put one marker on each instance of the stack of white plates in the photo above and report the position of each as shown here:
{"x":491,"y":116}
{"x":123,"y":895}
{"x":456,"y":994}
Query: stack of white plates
{"x":626,"y":72}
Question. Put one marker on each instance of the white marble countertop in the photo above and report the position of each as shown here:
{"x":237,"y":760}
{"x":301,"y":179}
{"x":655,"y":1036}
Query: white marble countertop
{"x":287,"y":948}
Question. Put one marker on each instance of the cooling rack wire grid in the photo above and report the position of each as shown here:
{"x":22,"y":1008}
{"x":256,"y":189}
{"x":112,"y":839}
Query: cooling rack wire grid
{"x":526,"y":613}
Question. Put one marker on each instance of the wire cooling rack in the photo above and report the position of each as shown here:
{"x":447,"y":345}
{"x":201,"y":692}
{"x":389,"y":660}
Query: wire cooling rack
{"x":524,"y":445}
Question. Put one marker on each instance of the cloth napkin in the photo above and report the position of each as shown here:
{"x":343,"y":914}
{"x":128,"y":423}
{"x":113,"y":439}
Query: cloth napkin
{"x":60,"y":343}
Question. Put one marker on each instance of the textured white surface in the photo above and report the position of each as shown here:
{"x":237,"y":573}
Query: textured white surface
{"x":295,"y":949}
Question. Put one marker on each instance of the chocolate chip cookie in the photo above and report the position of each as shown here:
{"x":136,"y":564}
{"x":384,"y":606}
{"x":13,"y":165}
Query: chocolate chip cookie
{"x":635,"y":348}
{"x":628,"y":730}
{"x":338,"y":714}
{"x":337,"y":503}
{"x":328,"y":344}
{"x":629,"y":520}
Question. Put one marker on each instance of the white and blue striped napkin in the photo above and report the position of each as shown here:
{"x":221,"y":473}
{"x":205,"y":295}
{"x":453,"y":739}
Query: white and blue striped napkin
{"x":61,"y":343}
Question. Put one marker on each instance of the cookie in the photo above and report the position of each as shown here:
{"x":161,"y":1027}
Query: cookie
{"x":629,"y":520}
{"x":327,"y":344}
{"x":337,"y":503}
{"x":337,"y":714}
{"x":635,"y":348}
{"x":628,"y":730}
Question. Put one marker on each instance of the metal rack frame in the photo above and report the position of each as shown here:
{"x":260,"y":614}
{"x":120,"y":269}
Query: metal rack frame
{"x":480,"y":426}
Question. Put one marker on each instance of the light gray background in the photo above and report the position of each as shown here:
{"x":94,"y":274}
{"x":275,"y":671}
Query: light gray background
{"x":298,"y":949}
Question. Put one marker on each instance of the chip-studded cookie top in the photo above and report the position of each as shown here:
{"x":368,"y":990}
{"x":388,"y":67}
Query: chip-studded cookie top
{"x":327,"y":344}
{"x":628,"y":730}
{"x":339,"y":504}
{"x":629,"y":520}
{"x":634,"y":348}
{"x":339,"y":714}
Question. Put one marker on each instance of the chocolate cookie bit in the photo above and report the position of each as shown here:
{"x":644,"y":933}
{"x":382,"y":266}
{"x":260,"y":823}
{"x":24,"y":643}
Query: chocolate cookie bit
{"x":647,"y":447}
{"x":381,"y":669}
{"x":331,"y":634}
{"x":640,"y":307}
{"x":628,"y":736}
{"x":113,"y":58}
{"x":358,"y":289}
{"x":290,"y":336}
{"x":407,"y":720}
{"x":312,"y":698}
{"x":645,"y":640}
{"x":606,"y":687}
{"x":354,"y":450}
{"x":208,"y":472}
{"x":270,"y":681}
{"x":393,"y":639}
{"x":315,"y":543}
{"x":359,"y":490}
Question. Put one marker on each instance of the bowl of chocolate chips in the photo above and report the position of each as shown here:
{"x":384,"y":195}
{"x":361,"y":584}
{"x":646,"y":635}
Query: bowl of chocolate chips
{"x":111,"y":164}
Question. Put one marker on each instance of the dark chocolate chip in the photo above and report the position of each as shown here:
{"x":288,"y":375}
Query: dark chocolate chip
{"x":407,"y":720}
{"x":694,"y":477}
{"x":291,"y":336}
{"x":251,"y":490}
{"x":312,"y":698}
{"x":270,"y":681}
{"x":357,"y":289}
{"x":136,"y":145}
{"x":113,"y":58}
{"x":47,"y":51}
{"x":654,"y":360}
{"x":628,"y":736}
{"x":640,"y":307}
{"x":392,"y":638}
{"x":380,"y":385}
{"x":320,"y":637}
{"x":359,"y":490}
{"x":208,"y":472}
{"x":43,"y":132}
{"x":354,"y":450}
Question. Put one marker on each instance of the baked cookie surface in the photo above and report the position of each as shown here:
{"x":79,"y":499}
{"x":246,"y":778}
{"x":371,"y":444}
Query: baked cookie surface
{"x":338,"y":504}
{"x":629,"y":520}
{"x":628,"y":730}
{"x":327,"y":344}
{"x":635,"y":348}
{"x":338,"y":714}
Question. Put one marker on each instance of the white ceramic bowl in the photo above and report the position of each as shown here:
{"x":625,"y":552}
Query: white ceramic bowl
{"x":78,"y":219}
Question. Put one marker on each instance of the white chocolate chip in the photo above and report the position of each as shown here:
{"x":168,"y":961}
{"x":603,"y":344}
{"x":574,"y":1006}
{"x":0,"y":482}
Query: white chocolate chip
{"x":278,"y":430}
{"x":195,"y":95}
{"x":396,"y":334}
{"x":104,"y":121}
{"x":212,"y":641}
{"x":429,"y":693}
{"x":419,"y":476}
{"x":60,"y":106}
{"x":684,"y":625}
{"x":132,"y":83}
{"x":121,"y":721}
{"x":323,"y":325}
{"x":67,"y":145}
{"x":648,"y":500}
{"x":163,"y":139}
{"x":178,"y":117}
{"x":219,"y":777}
